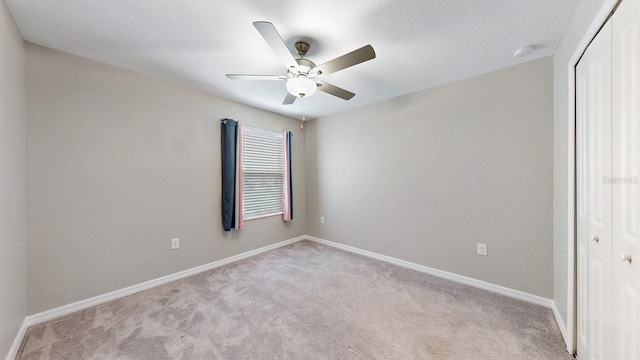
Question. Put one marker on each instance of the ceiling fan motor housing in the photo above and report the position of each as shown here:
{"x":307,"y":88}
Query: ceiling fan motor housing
{"x":305,"y":67}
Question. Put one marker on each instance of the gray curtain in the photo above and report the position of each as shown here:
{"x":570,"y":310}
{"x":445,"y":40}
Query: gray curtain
{"x":228,"y":138}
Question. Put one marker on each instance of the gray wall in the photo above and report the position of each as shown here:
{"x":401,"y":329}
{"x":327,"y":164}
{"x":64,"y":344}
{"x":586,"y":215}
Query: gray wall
{"x":582,"y":17}
{"x":118,"y":164}
{"x":12,"y":177}
{"x":426,"y":176}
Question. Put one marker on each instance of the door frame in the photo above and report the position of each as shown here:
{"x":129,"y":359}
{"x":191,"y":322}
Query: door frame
{"x":608,"y":6}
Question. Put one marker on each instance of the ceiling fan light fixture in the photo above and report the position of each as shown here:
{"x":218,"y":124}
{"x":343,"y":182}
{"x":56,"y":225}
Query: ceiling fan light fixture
{"x":301,"y":86}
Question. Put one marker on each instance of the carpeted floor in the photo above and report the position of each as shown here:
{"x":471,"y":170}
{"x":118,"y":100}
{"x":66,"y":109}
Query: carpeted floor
{"x":303,"y":301}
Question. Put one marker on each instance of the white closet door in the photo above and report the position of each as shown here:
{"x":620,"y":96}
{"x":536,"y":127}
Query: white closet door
{"x":625,"y":184}
{"x":593,"y":198}
{"x":582,"y":230}
{"x":599,"y":194}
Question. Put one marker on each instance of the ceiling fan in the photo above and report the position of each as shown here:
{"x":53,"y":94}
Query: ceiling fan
{"x":302,"y":74}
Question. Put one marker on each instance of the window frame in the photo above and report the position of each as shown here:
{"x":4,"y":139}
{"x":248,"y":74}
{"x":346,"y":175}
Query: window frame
{"x":255,"y":135}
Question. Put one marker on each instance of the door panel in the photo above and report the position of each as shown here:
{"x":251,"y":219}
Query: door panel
{"x":582,"y":228}
{"x":626,"y":169}
{"x":598,"y":162}
{"x":597,"y":339}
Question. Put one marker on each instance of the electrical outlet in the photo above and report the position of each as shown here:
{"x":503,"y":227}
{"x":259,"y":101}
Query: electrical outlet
{"x":321,"y":219}
{"x":175,"y":244}
{"x":482,"y":249}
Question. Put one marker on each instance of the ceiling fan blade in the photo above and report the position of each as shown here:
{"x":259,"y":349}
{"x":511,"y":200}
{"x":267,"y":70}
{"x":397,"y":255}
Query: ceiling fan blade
{"x":334,"y":90}
{"x":270,"y":34}
{"x":355,"y":57}
{"x":289,"y":99}
{"x":255,"y":77}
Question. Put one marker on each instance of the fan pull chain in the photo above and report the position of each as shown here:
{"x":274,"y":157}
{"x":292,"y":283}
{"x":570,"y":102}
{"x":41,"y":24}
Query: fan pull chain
{"x":304,"y":120}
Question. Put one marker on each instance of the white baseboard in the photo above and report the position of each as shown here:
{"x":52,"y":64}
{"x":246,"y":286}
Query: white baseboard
{"x":13,"y":351}
{"x":516,"y":294}
{"x":100,"y":299}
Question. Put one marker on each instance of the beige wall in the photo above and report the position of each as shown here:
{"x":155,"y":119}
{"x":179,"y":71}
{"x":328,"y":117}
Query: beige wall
{"x":118,"y":164}
{"x":12,"y":177}
{"x":575,"y":31}
{"x":426,"y":176}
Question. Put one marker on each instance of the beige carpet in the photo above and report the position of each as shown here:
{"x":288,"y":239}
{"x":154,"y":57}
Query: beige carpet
{"x":303,"y":301}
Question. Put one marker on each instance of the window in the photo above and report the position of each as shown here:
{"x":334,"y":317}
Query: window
{"x":263,"y":172}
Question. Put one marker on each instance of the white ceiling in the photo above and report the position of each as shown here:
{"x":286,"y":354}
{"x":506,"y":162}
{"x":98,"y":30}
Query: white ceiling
{"x":419,"y":43}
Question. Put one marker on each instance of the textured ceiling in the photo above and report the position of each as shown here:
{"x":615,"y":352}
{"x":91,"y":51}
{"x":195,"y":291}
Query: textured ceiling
{"x":419,"y":44}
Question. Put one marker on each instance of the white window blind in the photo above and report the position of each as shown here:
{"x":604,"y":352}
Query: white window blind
{"x":262,"y":172}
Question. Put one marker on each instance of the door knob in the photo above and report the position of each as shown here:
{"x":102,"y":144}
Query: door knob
{"x":595,"y":238}
{"x":626,"y":257}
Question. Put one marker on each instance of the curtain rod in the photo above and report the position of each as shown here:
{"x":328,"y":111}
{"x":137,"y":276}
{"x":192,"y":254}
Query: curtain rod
{"x":224,"y":121}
